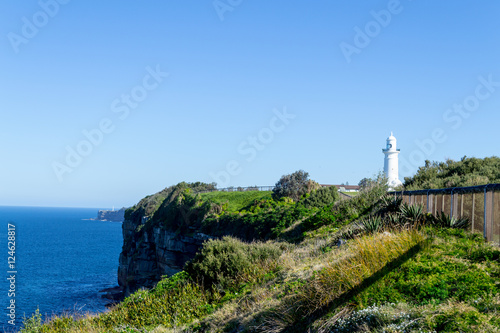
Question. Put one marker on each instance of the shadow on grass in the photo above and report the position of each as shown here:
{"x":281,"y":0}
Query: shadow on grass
{"x":342,"y":300}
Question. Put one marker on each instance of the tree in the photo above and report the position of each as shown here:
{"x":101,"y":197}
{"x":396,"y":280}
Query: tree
{"x":294,"y":185}
{"x":367,"y":184}
{"x":469,"y":171}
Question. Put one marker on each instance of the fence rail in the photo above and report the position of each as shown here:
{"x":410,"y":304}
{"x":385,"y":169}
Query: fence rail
{"x":239,"y":189}
{"x":480,"y":204}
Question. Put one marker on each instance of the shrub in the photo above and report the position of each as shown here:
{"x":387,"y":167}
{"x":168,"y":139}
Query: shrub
{"x":445,"y":221}
{"x":362,"y":204}
{"x":325,"y":216}
{"x":412,"y":213}
{"x":466,"y":172}
{"x":387,"y":318}
{"x":257,"y":224}
{"x":391,"y":203}
{"x":294,"y":185}
{"x":182,"y":209}
{"x":223,"y":262}
{"x":458,"y":317}
{"x":321,"y":197}
{"x":32,"y":324}
{"x":371,"y":225}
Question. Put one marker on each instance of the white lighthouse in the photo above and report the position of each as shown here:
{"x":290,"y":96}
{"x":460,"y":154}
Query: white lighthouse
{"x":391,"y":165}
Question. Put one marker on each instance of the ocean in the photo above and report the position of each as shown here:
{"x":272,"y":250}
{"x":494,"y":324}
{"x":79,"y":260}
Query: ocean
{"x":62,"y":261}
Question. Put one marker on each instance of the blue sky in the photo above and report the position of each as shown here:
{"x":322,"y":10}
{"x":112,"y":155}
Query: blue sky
{"x":235,"y":91}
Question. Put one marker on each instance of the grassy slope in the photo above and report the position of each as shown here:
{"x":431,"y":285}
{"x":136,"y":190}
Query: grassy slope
{"x":433,"y":279}
{"x":236,"y":200}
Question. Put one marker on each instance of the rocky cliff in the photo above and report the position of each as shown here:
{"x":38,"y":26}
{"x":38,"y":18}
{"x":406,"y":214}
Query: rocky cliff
{"x":160,"y":234}
{"x":111,"y":215}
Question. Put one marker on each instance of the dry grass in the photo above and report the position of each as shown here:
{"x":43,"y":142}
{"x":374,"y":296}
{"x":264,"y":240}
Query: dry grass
{"x":368,"y":255}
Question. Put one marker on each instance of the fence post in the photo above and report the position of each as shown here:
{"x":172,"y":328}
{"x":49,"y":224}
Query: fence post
{"x":484,"y":216}
{"x":454,"y":204}
{"x":461,"y":205}
{"x":488,"y":214}
{"x":451,"y":203}
{"x":473,"y":206}
{"x":494,"y":237}
{"x":430,"y":202}
{"x":442,"y":203}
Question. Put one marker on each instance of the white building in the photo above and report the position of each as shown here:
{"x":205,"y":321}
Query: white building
{"x":391,"y":165}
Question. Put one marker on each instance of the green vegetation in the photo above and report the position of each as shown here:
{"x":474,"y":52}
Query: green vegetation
{"x":317,"y":263}
{"x":466,"y":172}
{"x":150,"y":204}
{"x":294,"y":186}
{"x":236,"y":201}
{"x":446,"y":270}
{"x":224,"y":263}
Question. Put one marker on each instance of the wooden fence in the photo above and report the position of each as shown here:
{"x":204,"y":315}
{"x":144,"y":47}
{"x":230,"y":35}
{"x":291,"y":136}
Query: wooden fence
{"x":480,"y":204}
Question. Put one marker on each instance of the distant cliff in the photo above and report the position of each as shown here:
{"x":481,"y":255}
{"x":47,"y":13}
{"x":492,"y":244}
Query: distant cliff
{"x":111,"y":215}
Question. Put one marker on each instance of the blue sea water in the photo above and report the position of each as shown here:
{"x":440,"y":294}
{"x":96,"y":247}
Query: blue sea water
{"x":62,"y":261}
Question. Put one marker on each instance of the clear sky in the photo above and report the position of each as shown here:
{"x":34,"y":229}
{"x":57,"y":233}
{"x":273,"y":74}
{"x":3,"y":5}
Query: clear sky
{"x":105,"y":102}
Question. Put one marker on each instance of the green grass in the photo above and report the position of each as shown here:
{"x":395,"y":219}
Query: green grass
{"x":351,"y":194}
{"x":456,"y":265}
{"x":236,"y":201}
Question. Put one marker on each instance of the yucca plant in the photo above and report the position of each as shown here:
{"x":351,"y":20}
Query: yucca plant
{"x":391,"y":203}
{"x":394,"y":219}
{"x":371,"y":225}
{"x":412,"y":213}
{"x":445,"y":221}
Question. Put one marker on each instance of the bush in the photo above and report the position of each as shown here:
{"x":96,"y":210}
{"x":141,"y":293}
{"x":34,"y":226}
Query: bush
{"x":445,"y":221}
{"x":321,"y":197}
{"x":294,"y":185}
{"x":32,"y":324}
{"x":265,"y":220}
{"x":385,"y":318}
{"x":412,"y":213}
{"x":325,"y":216}
{"x":346,"y":211}
{"x":371,"y":225}
{"x":224,"y":262}
{"x":466,"y":172}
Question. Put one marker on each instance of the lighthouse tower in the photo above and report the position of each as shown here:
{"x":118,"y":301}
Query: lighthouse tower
{"x":391,"y":165}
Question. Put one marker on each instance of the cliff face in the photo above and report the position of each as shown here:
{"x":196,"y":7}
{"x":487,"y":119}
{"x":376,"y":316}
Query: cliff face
{"x":153,"y":254}
{"x":160,"y":234}
{"x":111,"y":215}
